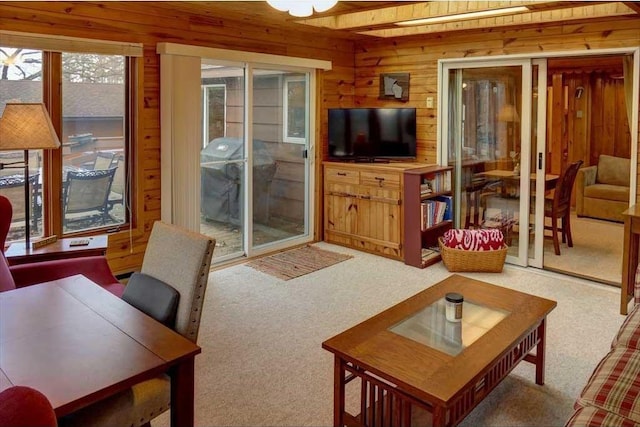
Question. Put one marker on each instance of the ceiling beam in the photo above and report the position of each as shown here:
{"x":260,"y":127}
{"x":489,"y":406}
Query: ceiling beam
{"x":386,"y":17}
{"x":633,"y":6}
{"x":592,"y":11}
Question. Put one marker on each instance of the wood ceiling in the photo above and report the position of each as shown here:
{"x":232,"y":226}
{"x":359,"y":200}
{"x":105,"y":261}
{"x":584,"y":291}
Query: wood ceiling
{"x":357,"y":19}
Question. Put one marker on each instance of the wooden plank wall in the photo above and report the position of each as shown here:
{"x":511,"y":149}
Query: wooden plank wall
{"x":418,"y":55}
{"x":141,"y":23}
{"x":594,"y":124}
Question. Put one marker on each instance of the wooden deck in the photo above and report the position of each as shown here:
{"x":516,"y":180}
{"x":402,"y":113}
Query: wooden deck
{"x":229,"y":236}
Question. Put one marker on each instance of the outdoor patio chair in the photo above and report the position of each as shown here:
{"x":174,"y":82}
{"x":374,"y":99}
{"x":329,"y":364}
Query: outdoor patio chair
{"x":104,"y":160}
{"x":86,"y":195}
{"x":12,"y":187}
{"x":117,"y":194}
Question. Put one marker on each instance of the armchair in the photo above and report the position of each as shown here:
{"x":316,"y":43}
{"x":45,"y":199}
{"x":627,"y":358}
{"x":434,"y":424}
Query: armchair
{"x":95,"y":268}
{"x":22,"y":406}
{"x":602,"y":190}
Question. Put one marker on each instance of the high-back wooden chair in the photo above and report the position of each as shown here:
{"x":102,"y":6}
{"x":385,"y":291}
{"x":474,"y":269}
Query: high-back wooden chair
{"x":180,"y":259}
{"x":559,"y":207}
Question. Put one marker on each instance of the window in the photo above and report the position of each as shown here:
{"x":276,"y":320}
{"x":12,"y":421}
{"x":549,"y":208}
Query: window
{"x":294,"y":109}
{"x":94,"y":132}
{"x":94,"y":99}
{"x":214,"y":101}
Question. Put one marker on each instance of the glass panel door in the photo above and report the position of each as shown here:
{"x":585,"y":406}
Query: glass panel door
{"x":222,"y":159}
{"x":254,"y":164}
{"x":279,"y":164}
{"x":485,"y":142}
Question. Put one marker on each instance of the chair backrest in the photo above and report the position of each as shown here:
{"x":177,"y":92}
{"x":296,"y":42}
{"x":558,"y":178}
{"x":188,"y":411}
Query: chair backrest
{"x":564,"y":186}
{"x":87,"y":190}
{"x":118,"y":179}
{"x":181,"y":259}
{"x":104,"y":160}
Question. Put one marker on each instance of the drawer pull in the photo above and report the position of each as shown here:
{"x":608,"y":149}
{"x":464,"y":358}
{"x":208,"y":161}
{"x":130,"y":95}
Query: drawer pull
{"x":380,"y":180}
{"x":342,"y":174}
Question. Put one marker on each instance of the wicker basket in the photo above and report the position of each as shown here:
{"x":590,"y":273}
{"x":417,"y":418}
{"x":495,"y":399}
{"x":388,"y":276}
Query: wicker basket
{"x":479,"y":261}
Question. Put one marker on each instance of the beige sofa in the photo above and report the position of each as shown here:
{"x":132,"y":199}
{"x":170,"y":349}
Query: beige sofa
{"x":602,"y":191}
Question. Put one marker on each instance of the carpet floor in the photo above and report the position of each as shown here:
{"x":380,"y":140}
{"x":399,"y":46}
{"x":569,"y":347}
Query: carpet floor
{"x":262,"y":363}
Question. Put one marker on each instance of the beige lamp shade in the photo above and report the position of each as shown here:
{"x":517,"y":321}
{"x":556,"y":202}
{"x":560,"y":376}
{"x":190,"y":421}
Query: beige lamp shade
{"x":27,"y":126}
{"x":508,"y":113}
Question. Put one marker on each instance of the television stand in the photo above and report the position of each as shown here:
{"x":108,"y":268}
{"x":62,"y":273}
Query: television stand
{"x":370,"y":160}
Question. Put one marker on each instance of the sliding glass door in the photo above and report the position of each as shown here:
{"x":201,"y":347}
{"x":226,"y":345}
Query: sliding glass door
{"x":279,"y":156}
{"x":223,"y":158}
{"x":254,"y":165}
{"x":487,"y":138}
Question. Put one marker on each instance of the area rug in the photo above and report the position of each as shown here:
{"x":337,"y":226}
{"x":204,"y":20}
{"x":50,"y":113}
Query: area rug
{"x":297,"y":262}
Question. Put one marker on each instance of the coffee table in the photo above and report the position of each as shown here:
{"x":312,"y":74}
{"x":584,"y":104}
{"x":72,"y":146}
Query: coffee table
{"x":410,"y":357}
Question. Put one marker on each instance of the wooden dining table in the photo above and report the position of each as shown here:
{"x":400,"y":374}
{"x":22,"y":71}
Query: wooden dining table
{"x":77,"y":343}
{"x":509,"y":178}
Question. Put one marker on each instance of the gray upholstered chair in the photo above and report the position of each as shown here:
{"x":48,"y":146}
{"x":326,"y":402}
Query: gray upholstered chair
{"x":182,"y":260}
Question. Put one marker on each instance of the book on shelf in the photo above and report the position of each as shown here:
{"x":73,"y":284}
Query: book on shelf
{"x":425,"y":189}
{"x":448,"y":201}
{"x":432,"y":213}
{"x":438,"y":183}
{"x":428,"y":253}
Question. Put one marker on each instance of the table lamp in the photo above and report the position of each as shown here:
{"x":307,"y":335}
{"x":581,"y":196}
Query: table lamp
{"x":26,"y":126}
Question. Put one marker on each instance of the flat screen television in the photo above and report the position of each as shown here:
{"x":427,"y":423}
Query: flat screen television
{"x":368,"y":134}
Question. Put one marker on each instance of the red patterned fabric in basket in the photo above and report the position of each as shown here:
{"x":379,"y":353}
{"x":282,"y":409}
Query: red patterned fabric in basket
{"x":474,"y":240}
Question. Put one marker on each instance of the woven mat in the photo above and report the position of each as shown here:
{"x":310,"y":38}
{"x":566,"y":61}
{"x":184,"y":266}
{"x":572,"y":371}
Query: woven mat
{"x":297,"y":262}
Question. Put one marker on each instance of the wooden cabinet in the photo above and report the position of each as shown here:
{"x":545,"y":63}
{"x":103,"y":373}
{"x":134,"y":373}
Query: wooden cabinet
{"x":422,"y":226}
{"x":363,"y":206}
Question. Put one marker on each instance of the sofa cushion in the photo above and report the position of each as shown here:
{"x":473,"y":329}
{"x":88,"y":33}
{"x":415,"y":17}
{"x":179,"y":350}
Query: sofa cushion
{"x":613,"y":170}
{"x":591,"y":416}
{"x":607,"y":192}
{"x":614,"y":385}
{"x":629,"y":333}
{"x":473,"y":240}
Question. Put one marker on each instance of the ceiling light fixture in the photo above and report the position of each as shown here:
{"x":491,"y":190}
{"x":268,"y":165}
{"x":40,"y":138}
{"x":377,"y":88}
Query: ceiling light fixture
{"x":464,"y":16}
{"x":302,"y":8}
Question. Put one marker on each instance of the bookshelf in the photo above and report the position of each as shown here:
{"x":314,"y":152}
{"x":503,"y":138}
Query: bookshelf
{"x":428,"y":209}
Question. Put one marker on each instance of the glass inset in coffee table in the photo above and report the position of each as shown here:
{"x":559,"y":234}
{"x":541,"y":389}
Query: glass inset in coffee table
{"x":430,"y":326}
{"x":409,"y":356}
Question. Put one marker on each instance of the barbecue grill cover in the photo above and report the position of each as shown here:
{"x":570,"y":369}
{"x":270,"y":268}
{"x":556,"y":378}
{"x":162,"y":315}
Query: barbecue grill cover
{"x":221,"y":190}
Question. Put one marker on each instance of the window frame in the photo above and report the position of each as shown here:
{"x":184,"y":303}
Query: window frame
{"x":285,"y":108}
{"x":205,"y":111}
{"x":52,"y":166}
